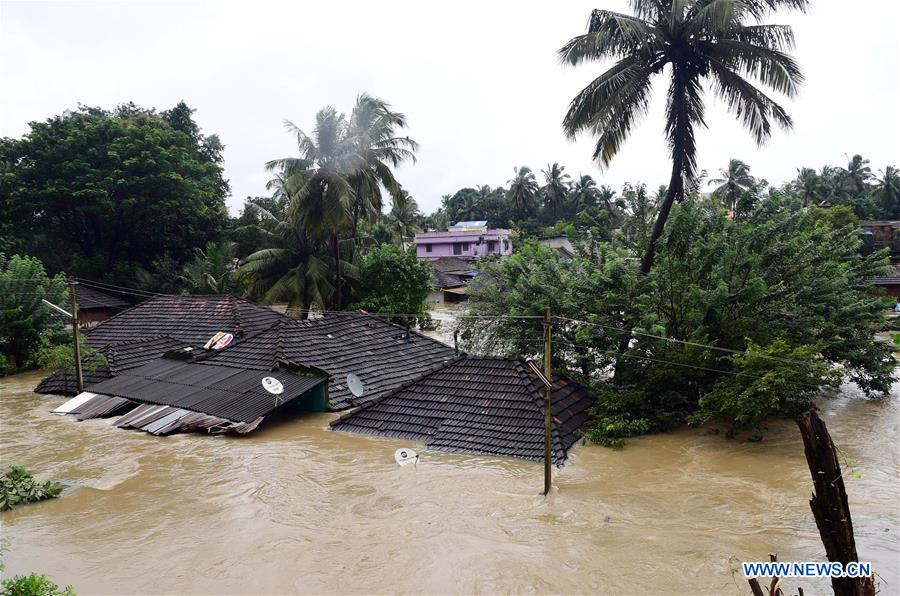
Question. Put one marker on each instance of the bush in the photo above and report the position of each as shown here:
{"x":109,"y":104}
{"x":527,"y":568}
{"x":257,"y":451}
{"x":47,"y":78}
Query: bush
{"x":18,"y":487}
{"x":393,"y":281}
{"x":33,"y":585}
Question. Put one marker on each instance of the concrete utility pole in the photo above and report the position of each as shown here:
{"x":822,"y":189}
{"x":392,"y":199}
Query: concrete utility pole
{"x":548,"y":372}
{"x":79,"y":377}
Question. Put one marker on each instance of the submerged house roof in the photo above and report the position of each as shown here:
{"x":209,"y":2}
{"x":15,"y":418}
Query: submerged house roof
{"x":190,"y":319}
{"x":90,"y":298}
{"x":119,"y":358}
{"x":170,"y":395}
{"x":381,"y":354}
{"x":483,"y":405}
{"x":148,"y":330}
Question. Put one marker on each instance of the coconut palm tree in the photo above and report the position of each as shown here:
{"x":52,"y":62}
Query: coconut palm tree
{"x":888,"y":189}
{"x":605,"y":197}
{"x":342,"y":166}
{"x":692,"y":43}
{"x":734,"y":181}
{"x":809,"y":185}
{"x":212,"y":269}
{"x":404,"y":215}
{"x":857,"y":175}
{"x":373,"y":127}
{"x":556,"y":187}
{"x":295,"y":267}
{"x":523,"y":188}
{"x":584,"y":192}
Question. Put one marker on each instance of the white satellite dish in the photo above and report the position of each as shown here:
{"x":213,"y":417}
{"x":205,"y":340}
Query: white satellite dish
{"x":272,"y":385}
{"x":355,"y":385}
{"x":405,"y":455}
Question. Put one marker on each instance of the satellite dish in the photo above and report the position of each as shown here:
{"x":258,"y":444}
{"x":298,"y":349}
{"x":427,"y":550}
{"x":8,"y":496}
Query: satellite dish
{"x":405,"y":455}
{"x":355,"y":385}
{"x":272,"y":385}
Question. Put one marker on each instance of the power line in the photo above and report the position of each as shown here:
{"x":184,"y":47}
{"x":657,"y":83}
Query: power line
{"x":384,"y":314}
{"x":683,"y":342}
{"x":669,"y":362}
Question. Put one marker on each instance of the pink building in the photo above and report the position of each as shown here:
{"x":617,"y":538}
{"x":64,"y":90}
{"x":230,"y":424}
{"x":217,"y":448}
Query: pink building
{"x":465,"y":240}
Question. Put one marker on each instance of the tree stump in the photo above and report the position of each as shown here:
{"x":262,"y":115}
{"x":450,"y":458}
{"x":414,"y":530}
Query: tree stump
{"x":829,"y":504}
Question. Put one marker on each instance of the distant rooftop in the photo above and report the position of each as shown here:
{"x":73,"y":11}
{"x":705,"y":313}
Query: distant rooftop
{"x":468,"y":225}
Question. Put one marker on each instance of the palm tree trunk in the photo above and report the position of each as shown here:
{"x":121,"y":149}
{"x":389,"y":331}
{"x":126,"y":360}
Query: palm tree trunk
{"x":673,"y":192}
{"x":337,"y":270}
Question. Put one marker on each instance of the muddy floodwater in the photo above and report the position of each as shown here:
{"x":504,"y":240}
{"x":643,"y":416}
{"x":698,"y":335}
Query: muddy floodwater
{"x":295,"y":508}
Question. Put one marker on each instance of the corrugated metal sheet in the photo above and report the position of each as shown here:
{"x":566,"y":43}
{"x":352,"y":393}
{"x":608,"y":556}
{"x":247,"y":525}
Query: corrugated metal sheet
{"x":221,"y":391}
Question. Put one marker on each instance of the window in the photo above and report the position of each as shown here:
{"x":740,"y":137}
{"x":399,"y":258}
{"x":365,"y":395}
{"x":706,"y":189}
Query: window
{"x":457,"y":248}
{"x":492,"y":246}
{"x":506,"y":245}
{"x":465,"y":247}
{"x":427,"y":248}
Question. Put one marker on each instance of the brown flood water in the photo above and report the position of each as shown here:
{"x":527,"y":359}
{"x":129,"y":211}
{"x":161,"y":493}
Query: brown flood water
{"x":295,"y":508}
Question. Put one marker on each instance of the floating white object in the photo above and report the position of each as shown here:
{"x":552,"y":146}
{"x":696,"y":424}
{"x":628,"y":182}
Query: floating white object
{"x":272,"y":385}
{"x":73,"y":403}
{"x":405,"y":455}
{"x":355,"y":385}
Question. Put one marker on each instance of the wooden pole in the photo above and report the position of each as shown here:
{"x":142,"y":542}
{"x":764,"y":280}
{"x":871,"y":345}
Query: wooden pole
{"x":829,"y":504}
{"x":548,"y":372}
{"x":79,"y":377}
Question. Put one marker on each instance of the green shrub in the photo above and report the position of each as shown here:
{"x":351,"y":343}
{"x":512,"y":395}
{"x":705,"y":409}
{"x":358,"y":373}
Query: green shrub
{"x":18,"y":486}
{"x":33,"y":585}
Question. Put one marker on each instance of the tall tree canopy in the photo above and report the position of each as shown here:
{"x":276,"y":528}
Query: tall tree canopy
{"x":99,"y":193}
{"x":692,"y":43}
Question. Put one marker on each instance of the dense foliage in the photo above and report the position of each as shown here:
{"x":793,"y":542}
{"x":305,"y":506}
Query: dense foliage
{"x":100,"y":194}
{"x":332,"y":190}
{"x":393,"y":281}
{"x":18,"y":487}
{"x":780,"y":284}
{"x":26,"y":323}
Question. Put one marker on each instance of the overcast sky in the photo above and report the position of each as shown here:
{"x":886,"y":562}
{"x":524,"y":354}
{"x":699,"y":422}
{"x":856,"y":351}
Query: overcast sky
{"x":479,"y":82}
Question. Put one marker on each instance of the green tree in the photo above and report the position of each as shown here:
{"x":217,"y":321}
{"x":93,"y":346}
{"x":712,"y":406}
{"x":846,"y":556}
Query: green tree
{"x":523,"y":189}
{"x":888,"y":190}
{"x":101,"y":193}
{"x":404,"y":216}
{"x":293,"y":267}
{"x":809,"y":186}
{"x":393,"y":281}
{"x":733,"y":182}
{"x":24,"y":319}
{"x":340,"y":171}
{"x":778,"y":287}
{"x":584,"y":193}
{"x":212,"y":269}
{"x":695,"y":42}
{"x":556,"y":187}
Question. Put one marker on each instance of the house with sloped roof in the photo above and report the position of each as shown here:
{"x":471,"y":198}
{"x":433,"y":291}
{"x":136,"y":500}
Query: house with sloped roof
{"x":152,"y":328}
{"x":381,"y":354}
{"x":479,"y":405}
{"x":95,"y":306}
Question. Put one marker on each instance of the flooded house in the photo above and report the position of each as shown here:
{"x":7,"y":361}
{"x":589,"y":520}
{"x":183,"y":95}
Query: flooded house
{"x":210,"y":363}
{"x":480,"y":405}
{"x":95,"y":306}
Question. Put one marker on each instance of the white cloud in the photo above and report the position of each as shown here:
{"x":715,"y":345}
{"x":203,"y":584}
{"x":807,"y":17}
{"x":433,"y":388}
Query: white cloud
{"x":479,"y":81}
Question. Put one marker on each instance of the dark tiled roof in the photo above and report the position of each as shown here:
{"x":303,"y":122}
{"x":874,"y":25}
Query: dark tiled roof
{"x":221,"y":391}
{"x":451,"y":264}
{"x":120,"y":357}
{"x":376,"y":351}
{"x":191,"y":319}
{"x":89,"y":298}
{"x":482,"y":405}
{"x":441,"y":280}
